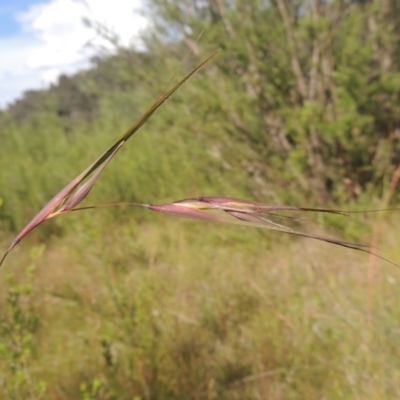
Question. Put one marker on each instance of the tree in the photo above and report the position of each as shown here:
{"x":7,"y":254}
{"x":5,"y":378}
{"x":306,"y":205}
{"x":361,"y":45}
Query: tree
{"x":309,"y":88}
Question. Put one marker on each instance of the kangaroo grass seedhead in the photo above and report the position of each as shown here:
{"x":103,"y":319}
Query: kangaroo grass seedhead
{"x":248,"y":213}
{"x":213,"y":209}
{"x":72,"y":194}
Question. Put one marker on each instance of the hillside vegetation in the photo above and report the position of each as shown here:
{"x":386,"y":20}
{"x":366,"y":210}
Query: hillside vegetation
{"x":301,"y":106}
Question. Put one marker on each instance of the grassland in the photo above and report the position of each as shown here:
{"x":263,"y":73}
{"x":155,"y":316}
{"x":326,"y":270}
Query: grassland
{"x":174,"y":309}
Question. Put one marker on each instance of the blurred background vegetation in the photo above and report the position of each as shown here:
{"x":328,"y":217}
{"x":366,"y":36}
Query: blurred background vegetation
{"x":301,"y":106}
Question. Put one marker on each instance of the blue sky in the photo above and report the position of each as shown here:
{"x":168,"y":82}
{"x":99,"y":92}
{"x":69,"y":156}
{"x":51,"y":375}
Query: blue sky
{"x":41,"y":39}
{"x":9,"y":26}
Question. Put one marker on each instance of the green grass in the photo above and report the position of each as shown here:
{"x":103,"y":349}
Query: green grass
{"x":174,"y":309}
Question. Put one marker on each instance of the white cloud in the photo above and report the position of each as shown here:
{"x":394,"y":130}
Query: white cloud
{"x":55,"y":40}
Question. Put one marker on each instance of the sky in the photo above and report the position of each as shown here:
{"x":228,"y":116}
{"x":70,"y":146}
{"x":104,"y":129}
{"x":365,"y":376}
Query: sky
{"x":41,"y":39}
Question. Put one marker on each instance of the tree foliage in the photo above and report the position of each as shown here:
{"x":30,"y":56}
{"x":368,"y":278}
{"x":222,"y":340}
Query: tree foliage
{"x":310,"y":88}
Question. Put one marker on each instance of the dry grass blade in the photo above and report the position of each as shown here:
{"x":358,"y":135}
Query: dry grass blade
{"x":72,"y":194}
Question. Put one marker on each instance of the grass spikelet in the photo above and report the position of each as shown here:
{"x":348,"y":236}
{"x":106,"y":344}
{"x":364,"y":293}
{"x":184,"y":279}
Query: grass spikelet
{"x":72,"y":194}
